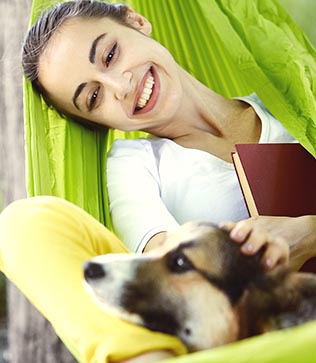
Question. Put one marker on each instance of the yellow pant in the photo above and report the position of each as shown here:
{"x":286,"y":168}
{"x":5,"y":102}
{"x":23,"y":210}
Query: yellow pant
{"x":43,"y":244}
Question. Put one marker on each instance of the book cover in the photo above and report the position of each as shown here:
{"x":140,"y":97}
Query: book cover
{"x":277,"y":180}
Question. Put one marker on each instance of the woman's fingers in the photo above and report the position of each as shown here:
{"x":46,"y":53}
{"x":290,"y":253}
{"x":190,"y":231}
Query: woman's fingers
{"x":253,"y":236}
{"x":238,"y":231}
{"x":244,"y":232}
{"x":277,"y":253}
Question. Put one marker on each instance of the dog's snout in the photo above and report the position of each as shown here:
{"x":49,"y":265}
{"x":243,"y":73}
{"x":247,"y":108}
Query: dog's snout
{"x":93,"y":270}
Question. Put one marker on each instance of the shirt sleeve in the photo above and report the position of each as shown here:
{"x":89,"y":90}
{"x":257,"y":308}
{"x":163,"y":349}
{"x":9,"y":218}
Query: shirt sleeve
{"x":136,"y":207}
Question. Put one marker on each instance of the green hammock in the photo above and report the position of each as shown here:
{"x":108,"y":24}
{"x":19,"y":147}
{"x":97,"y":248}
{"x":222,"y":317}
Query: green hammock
{"x":236,"y":48}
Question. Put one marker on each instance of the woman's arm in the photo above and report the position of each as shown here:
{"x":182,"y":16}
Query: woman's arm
{"x":299,"y":234}
{"x":137,"y":210}
{"x":156,"y":241}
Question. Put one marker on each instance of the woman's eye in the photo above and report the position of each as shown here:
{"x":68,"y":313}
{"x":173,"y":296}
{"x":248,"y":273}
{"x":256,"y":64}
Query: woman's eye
{"x":93,"y":98}
{"x":179,"y":263}
{"x":110,"y":55}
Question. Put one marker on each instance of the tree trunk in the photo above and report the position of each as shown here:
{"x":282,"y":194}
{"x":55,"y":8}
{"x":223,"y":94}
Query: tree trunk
{"x":31,"y":337}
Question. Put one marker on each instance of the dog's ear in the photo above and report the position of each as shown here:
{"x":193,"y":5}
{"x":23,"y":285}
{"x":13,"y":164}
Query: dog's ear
{"x":240,"y":270}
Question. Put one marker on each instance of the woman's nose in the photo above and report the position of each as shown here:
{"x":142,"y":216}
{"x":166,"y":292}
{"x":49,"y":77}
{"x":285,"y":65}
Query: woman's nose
{"x":120,"y":84}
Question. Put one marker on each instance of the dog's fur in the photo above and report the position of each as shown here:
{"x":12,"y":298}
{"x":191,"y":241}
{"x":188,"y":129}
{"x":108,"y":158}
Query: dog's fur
{"x":201,"y":289}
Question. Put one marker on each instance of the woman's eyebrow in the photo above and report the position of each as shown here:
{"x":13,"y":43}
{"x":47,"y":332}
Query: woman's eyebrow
{"x":94,"y":47}
{"x":77,"y":93}
{"x":92,"y":55}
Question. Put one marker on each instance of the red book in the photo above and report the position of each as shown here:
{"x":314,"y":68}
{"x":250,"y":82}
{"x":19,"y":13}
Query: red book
{"x":277,"y":180}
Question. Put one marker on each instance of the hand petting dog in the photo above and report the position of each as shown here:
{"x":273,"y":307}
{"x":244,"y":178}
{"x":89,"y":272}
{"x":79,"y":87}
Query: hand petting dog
{"x":201,"y":286}
{"x":277,"y":250}
{"x":299,"y":234}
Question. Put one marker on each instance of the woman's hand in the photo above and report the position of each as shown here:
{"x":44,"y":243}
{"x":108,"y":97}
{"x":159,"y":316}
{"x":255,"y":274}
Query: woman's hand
{"x":283,"y":237}
{"x":156,"y":241}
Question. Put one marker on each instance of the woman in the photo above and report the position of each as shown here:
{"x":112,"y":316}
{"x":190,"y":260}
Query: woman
{"x":116,"y":77}
{"x":124,"y":79}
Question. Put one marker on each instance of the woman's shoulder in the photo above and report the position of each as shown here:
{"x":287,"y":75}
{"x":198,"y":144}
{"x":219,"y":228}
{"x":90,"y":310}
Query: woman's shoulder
{"x":138,"y":146}
{"x":254,"y":101}
{"x":272,"y":129}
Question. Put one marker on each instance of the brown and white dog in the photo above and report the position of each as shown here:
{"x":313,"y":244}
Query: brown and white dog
{"x":201,"y":289}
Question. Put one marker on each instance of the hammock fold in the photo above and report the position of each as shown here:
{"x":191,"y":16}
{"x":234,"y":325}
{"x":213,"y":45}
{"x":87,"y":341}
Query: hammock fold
{"x":235,"y":47}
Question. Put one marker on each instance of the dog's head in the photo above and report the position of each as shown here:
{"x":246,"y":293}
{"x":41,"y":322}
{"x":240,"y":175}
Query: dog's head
{"x":188,"y":289}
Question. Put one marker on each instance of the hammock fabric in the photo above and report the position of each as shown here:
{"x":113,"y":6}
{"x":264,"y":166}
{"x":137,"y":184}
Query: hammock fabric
{"x":234,"y":47}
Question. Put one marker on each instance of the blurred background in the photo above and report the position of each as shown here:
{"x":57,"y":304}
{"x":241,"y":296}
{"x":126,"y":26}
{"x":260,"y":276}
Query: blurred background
{"x":304,"y":13}
{"x":31,"y":338}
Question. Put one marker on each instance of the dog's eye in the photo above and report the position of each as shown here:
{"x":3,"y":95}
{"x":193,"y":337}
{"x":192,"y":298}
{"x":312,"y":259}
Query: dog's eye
{"x":178,"y":262}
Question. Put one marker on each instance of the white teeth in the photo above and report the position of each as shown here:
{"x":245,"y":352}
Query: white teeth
{"x":147,"y":91}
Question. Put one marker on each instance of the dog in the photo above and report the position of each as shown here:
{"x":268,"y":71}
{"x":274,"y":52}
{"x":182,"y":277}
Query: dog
{"x":201,"y":288}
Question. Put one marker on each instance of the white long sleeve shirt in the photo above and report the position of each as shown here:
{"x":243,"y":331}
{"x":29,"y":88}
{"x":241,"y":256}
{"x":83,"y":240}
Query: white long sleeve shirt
{"x":155,"y":184}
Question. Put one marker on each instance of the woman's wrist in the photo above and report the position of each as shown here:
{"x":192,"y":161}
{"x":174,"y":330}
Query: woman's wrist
{"x":303,"y":241}
{"x":310,"y":237}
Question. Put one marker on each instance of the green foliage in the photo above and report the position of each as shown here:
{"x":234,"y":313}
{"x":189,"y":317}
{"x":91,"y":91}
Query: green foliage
{"x":303,"y":12}
{"x":3,"y":303}
{"x":3,"y":298}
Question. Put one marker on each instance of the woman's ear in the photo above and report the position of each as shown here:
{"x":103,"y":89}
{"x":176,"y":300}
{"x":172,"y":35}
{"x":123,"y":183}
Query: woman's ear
{"x":138,"y":22}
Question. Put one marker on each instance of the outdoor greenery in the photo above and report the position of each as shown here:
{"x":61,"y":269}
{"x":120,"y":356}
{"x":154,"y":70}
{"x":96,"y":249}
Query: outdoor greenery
{"x":3,"y":305}
{"x":304,"y":13}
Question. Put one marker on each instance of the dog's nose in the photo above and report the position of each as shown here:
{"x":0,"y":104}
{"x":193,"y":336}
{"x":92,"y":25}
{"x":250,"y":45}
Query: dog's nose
{"x":93,"y":270}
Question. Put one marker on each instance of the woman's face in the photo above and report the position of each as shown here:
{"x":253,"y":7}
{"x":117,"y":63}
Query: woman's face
{"x":111,"y":74}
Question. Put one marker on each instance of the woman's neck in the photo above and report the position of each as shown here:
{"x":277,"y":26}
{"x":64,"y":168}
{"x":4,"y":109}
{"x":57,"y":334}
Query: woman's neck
{"x":210,"y":122}
{"x":201,"y":110}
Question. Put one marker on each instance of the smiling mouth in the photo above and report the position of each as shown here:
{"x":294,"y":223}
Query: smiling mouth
{"x":146,"y":93}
